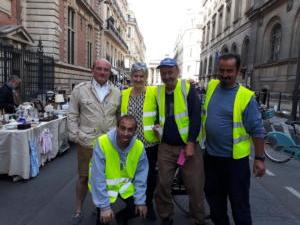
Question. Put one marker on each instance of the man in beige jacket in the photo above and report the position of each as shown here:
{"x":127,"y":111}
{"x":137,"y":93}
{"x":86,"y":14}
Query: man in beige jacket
{"x":92,"y":112}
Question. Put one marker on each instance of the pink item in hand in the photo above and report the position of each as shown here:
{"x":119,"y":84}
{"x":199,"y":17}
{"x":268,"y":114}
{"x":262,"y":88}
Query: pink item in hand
{"x":181,"y":158}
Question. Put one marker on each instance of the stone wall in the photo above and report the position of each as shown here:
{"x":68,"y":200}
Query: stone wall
{"x":67,"y":76}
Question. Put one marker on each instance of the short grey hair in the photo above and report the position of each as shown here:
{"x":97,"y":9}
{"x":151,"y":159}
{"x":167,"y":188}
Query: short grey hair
{"x":139,"y":66}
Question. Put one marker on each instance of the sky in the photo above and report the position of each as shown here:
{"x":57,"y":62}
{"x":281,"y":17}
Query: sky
{"x":159,"y":22}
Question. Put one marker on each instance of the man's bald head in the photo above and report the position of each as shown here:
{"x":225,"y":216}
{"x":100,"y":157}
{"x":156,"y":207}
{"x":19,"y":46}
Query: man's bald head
{"x":101,"y":70}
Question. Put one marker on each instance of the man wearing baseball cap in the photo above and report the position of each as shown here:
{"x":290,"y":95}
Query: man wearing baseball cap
{"x":179,"y":118}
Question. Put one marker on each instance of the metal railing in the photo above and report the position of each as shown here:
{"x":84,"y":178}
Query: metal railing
{"x":34,"y":68}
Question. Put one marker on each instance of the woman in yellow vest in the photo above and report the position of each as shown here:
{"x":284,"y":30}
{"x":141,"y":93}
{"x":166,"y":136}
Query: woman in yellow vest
{"x":140,"y":102}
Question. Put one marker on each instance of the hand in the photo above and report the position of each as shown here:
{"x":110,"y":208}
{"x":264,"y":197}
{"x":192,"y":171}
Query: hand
{"x":141,"y":210}
{"x":189,"y":149}
{"x":106,"y":215}
{"x":157,"y":130}
{"x":259,"y":168}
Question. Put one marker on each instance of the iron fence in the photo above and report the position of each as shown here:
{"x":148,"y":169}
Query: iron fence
{"x":34,"y":68}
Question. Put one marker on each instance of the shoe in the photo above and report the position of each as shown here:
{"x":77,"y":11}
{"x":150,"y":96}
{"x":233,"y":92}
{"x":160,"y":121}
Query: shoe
{"x":151,"y":216}
{"x":77,"y":218}
{"x":166,"y":221}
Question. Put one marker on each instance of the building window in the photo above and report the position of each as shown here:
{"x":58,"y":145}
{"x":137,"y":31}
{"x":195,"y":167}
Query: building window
{"x":224,"y":49}
{"x":204,"y":35}
{"x":228,"y":14}
{"x":248,"y":4}
{"x":207,"y":34}
{"x":201,"y":68}
{"x":237,"y":9}
{"x":188,"y":69}
{"x":245,"y":50}
{"x":191,"y":52}
{"x":129,"y":32}
{"x":220,"y":22}
{"x":205,"y":67}
{"x":89,"y":47}
{"x":233,"y":48}
{"x":71,"y":35}
{"x":213,"y":27}
{"x":108,"y":52}
{"x":210,"y":66}
{"x":275,"y":42}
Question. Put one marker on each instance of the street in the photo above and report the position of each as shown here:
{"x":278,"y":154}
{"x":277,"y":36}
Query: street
{"x":49,"y":198}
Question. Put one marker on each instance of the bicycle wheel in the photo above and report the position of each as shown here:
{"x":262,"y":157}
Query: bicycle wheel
{"x":179,"y":195}
{"x":182,"y":202}
{"x":277,"y":147}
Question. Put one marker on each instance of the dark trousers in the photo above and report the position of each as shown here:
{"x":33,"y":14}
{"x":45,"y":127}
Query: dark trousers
{"x":123,"y":216}
{"x":193,"y":179}
{"x":227,"y":178}
{"x":152,"y":174}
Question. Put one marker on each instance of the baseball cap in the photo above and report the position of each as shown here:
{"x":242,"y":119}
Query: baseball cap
{"x":169,"y":62}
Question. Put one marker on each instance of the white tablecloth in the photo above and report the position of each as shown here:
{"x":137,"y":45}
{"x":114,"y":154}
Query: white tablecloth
{"x":15,"y":151}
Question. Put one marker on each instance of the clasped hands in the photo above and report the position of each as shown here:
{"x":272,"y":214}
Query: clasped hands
{"x":107,"y":215}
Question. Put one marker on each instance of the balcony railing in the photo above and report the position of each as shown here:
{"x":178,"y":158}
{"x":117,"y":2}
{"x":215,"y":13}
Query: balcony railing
{"x":111,"y":27}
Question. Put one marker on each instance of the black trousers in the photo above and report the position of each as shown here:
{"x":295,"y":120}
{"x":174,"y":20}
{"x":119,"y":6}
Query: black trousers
{"x":152,"y":175}
{"x":123,"y":216}
{"x":228,"y":178}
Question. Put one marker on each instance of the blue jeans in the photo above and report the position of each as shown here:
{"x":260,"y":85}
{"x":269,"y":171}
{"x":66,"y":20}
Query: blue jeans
{"x":228,"y":178}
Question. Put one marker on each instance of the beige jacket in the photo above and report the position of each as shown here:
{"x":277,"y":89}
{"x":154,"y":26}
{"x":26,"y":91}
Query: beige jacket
{"x":88,"y":117}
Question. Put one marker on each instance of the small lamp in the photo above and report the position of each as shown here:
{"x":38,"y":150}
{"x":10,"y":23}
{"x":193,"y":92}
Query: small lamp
{"x":59,"y":98}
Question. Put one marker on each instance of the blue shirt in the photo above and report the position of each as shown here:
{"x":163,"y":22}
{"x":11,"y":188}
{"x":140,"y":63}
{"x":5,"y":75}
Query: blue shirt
{"x":98,"y":181}
{"x":219,"y":123}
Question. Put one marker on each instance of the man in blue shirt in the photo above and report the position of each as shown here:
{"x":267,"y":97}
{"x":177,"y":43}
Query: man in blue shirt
{"x":227,"y":171}
{"x":122,"y":139}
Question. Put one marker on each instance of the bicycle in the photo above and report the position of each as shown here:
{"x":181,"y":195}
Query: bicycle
{"x":179,"y":194}
{"x":279,"y":146}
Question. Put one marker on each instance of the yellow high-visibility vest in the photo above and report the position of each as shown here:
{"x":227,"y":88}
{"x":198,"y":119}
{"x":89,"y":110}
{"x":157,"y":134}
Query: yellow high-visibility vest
{"x":241,"y":140}
{"x":180,"y":107}
{"x":119,"y":180}
{"x":149,"y":111}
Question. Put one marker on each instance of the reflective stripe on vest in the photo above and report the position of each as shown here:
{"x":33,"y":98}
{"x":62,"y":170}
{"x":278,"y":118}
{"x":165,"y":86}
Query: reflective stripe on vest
{"x":119,"y":181}
{"x":149,"y":111}
{"x":180,"y":107}
{"x":241,"y":139}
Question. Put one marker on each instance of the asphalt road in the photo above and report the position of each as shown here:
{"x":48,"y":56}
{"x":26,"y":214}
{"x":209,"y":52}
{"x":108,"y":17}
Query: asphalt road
{"x":49,"y":198}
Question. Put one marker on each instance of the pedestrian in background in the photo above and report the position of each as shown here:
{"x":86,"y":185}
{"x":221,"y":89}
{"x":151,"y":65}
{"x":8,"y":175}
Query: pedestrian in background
{"x":140,"y":102}
{"x":118,"y":175}
{"x":179,"y":110}
{"x":231,"y":123}
{"x":92,"y":112}
{"x":9,"y":94}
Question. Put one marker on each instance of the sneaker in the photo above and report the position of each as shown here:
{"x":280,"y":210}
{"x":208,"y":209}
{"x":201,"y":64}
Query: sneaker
{"x":77,"y":218}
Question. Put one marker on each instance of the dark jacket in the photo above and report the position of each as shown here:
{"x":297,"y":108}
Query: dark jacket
{"x":7,"y":99}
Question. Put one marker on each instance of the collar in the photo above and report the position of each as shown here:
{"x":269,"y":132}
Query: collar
{"x":97,"y":85}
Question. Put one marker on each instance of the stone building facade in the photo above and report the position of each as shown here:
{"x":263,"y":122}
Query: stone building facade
{"x":114,"y":47}
{"x":69,"y":31}
{"x":135,"y":41}
{"x":226,"y":28}
{"x":266,"y":33}
{"x":187,"y":47}
{"x":276,"y":36}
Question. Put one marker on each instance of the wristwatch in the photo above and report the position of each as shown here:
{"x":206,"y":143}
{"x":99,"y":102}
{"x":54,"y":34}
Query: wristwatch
{"x":261,"y":158}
